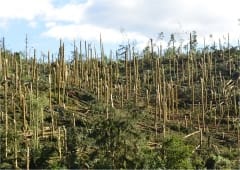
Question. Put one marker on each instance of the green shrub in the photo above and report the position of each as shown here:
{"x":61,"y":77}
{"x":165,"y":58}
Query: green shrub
{"x":175,"y":154}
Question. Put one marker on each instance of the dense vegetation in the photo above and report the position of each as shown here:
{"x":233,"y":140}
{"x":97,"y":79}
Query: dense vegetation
{"x":129,"y":110}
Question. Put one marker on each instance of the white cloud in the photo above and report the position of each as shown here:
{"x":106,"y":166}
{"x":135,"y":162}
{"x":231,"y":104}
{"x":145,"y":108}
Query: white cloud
{"x":44,"y":9}
{"x":92,"y":33}
{"x":142,"y":19}
{"x":3,"y":24}
{"x":72,"y":12}
{"x":50,"y":24}
{"x":32,"y":24}
{"x":24,"y":9}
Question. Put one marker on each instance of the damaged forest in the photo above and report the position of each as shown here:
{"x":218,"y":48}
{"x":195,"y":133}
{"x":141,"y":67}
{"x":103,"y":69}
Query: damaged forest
{"x":155,"y":109}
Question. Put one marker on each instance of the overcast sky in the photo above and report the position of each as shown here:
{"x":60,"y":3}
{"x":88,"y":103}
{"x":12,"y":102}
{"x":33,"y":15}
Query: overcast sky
{"x":118,"y":21}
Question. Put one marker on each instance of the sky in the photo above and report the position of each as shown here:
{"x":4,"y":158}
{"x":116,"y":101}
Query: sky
{"x":45,"y":22}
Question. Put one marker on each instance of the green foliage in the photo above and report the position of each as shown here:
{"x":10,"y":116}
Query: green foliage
{"x":45,"y":157}
{"x":175,"y":154}
{"x":72,"y":145}
{"x":117,"y":144}
{"x":6,"y":165}
{"x":99,"y":108}
{"x":119,"y":147}
{"x":218,"y":162}
{"x":150,"y":159}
